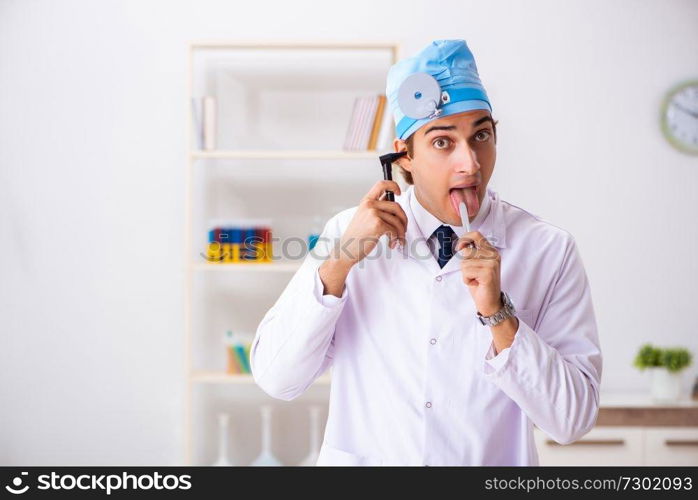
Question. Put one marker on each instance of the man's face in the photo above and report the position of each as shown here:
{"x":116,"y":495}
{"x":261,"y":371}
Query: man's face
{"x":448,"y":154}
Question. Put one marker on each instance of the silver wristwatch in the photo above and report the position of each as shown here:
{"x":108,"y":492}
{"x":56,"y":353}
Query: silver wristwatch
{"x":505,"y":312}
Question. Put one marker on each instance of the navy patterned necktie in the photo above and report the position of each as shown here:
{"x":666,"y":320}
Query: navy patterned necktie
{"x":446,"y":236}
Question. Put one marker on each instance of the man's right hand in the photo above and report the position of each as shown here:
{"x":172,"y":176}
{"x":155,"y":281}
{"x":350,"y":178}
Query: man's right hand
{"x":373,"y":218}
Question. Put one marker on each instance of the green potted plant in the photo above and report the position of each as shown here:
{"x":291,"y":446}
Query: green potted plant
{"x":665,"y":365}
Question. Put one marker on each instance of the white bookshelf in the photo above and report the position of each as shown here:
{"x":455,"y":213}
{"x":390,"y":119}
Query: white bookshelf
{"x":323,"y":78}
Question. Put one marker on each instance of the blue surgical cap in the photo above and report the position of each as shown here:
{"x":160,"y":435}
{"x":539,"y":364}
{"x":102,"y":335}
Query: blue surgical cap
{"x":452,"y":65}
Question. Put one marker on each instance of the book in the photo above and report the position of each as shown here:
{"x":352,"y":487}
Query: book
{"x":367,"y":123}
{"x":377,"y":120}
{"x":233,"y":365}
{"x":352,"y":124}
{"x":209,"y":121}
{"x":387,"y":132}
{"x":197,"y":122}
{"x":244,"y":362}
{"x":363,"y":109}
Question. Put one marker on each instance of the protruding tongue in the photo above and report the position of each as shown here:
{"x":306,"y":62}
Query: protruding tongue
{"x":469,"y":196}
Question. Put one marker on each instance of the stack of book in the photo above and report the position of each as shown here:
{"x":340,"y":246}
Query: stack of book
{"x":238,"y":352}
{"x":242,"y":241}
{"x":369,"y":126}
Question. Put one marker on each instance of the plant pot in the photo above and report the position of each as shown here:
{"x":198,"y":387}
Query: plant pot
{"x":666,"y":386}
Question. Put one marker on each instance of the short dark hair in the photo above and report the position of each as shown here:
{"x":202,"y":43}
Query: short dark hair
{"x":409,"y":144}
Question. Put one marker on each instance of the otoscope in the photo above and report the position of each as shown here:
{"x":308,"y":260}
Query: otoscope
{"x":387,"y":164}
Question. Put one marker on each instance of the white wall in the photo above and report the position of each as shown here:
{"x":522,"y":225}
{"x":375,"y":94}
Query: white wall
{"x":92,"y":156}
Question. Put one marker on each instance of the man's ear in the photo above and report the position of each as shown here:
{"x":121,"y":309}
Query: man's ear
{"x":405,"y":162}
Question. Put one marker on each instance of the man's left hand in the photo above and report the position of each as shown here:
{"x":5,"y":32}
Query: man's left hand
{"x":480,"y":267}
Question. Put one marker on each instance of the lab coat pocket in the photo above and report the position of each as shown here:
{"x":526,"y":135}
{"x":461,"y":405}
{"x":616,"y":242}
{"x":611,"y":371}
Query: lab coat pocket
{"x":329,"y":455}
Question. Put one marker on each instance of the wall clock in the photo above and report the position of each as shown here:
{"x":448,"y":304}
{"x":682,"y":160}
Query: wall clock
{"x":679,"y":117}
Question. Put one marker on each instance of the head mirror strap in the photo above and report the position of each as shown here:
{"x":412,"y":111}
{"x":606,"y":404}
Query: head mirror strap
{"x":451,"y":96}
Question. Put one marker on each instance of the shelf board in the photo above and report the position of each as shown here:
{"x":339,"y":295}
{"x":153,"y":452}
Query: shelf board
{"x":244,"y":379}
{"x":287,"y":154}
{"x":292,"y":45}
{"x":272,"y":267}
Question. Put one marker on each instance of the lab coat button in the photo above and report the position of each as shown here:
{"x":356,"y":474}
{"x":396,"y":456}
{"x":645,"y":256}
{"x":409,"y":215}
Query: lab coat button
{"x":428,"y":405}
{"x":433,"y":341}
{"x":438,"y":278}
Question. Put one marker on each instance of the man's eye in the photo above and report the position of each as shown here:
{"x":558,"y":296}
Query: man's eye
{"x":440,"y":140}
{"x":482,"y":135}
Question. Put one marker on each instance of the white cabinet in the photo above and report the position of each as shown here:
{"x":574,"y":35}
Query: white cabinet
{"x":611,"y":445}
{"x":601,"y":446}
{"x":671,"y":446}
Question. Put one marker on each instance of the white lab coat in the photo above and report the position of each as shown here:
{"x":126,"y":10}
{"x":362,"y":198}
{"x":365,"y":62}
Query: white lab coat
{"x":414,"y":380}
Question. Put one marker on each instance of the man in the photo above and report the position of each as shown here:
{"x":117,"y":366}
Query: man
{"x":446,"y":346}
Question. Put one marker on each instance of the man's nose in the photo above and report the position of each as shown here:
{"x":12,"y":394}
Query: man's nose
{"x":466,"y":160}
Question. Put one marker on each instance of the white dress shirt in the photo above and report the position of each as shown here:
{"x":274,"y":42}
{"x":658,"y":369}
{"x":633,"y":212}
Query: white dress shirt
{"x":414,"y":376}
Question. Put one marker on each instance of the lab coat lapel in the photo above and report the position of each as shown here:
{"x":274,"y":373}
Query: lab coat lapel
{"x":417,"y":247}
